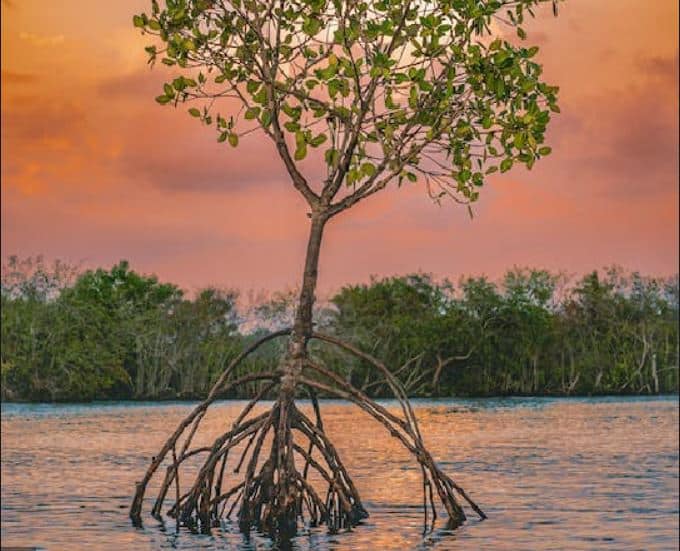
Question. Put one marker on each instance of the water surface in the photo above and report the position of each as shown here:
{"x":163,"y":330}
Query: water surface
{"x":597,"y":473}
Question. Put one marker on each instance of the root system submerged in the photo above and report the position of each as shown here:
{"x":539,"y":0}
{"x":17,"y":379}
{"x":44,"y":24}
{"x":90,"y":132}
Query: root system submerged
{"x":274,"y":495}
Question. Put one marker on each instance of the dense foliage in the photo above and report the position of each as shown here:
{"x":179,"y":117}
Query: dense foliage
{"x":381,"y":91}
{"x":104,"y":334}
{"x":529,"y":335}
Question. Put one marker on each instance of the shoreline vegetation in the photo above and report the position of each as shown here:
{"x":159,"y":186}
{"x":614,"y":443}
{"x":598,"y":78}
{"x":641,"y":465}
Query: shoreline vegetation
{"x":114,"y":334}
{"x":414,"y":400}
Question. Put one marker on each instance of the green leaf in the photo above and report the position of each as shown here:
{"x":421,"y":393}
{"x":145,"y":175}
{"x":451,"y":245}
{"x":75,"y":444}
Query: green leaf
{"x":413,"y":97}
{"x":301,"y":151}
{"x":261,"y":96}
{"x":138,"y":21}
{"x":194,"y":112}
{"x":163,"y":99}
{"x":464,"y":175}
{"x":252,"y":113}
{"x":311,"y":26}
{"x":368,"y":169}
{"x":500,"y":87}
{"x":318,"y":140}
{"x":506,"y":165}
{"x":545,"y":150}
{"x":332,"y":156}
{"x":478,"y":179}
{"x":233,"y":139}
{"x":288,"y":110}
{"x":333,"y":88}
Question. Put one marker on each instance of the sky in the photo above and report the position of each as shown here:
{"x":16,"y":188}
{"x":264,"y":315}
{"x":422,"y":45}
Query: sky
{"x":94,"y":171}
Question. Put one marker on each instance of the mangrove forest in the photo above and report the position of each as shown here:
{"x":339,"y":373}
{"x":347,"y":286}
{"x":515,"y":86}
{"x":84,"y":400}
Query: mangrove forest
{"x":114,"y":334}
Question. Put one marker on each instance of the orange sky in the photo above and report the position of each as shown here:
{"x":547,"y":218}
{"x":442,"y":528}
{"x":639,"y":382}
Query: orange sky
{"x":93,"y":170}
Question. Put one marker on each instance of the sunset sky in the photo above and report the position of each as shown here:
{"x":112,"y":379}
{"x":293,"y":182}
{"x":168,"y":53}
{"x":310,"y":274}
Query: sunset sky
{"x":93,"y":170}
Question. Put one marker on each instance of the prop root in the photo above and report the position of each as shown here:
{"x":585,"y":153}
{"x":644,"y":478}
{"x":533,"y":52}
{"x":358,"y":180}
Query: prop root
{"x":274,"y":495}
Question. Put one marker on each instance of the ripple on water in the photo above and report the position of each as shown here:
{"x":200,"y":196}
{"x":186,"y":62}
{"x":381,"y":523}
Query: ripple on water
{"x":598,"y":473}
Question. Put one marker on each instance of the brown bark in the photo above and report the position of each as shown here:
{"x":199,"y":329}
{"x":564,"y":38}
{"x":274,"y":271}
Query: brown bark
{"x":302,"y":327}
{"x":292,"y":363}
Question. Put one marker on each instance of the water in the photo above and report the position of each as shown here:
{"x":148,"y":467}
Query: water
{"x":597,"y":473}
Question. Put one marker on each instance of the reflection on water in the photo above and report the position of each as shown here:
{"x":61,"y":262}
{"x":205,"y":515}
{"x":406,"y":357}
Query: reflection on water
{"x":551,"y":474}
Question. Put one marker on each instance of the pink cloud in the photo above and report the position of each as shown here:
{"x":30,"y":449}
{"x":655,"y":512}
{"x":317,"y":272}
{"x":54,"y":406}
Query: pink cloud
{"x":97,"y":171}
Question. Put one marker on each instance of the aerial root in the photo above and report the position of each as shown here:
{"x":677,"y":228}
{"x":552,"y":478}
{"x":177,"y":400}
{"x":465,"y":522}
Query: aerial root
{"x":273,"y":494}
{"x":263,"y":496}
{"x":412,"y":440}
{"x":195,"y":417}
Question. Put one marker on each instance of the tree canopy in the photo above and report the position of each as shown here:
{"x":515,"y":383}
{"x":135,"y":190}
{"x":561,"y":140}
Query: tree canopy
{"x":376,"y":90}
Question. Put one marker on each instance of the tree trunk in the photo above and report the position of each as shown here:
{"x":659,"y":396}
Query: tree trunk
{"x":303,"y":315}
{"x":292,"y":363}
{"x":302,"y":327}
{"x":598,"y":378}
{"x":573,"y":375}
{"x":655,"y":374}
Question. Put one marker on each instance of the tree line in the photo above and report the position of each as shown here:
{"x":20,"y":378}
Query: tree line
{"x":79,"y":335}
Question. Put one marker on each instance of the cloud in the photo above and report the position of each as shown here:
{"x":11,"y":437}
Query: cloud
{"x":34,"y":120}
{"x":135,"y":85}
{"x":40,"y":41}
{"x":168,"y":149}
{"x":622,"y":145}
{"x":664,"y":68}
{"x":12,"y":77}
{"x":180,"y":155}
